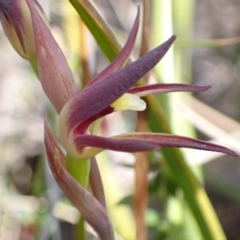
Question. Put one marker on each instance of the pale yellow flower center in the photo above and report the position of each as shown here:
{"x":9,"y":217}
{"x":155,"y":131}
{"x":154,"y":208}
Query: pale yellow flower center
{"x":129,"y":102}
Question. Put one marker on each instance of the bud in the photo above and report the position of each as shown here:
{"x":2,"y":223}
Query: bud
{"x":17,"y":24}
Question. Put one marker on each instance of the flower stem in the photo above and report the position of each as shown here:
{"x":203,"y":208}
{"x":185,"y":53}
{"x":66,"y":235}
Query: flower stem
{"x":79,"y":169}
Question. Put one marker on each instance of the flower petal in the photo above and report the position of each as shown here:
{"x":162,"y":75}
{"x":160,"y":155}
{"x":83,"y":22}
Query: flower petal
{"x":96,"y":182}
{"x":55,"y":75}
{"x":92,"y":210}
{"x":67,"y":134}
{"x":99,"y":96}
{"x":137,"y":142}
{"x":166,"y":88}
{"x":123,"y":55}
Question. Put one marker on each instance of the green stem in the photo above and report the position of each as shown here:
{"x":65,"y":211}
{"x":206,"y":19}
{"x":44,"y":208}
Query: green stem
{"x":79,"y":169}
{"x":34,"y":66}
{"x":80,"y":230}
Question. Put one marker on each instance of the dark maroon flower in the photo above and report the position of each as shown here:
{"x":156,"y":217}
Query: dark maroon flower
{"x":112,"y":90}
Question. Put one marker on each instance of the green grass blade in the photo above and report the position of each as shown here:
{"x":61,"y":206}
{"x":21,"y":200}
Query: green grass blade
{"x":100,"y":30}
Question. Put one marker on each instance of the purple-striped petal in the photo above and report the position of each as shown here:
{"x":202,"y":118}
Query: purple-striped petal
{"x":166,"y":88}
{"x":123,"y":55}
{"x":92,"y":210}
{"x":137,"y":142}
{"x":55,"y":75}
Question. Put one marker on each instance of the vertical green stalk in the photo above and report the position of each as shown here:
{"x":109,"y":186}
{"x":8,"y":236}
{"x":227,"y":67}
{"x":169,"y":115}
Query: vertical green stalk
{"x":178,"y":15}
{"x":34,"y":66}
{"x":162,"y":29}
{"x":165,"y":72}
{"x":79,"y":169}
{"x":183,"y":19}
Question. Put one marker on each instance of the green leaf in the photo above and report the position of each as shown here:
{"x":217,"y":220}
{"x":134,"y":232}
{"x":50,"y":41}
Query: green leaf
{"x":97,"y":26}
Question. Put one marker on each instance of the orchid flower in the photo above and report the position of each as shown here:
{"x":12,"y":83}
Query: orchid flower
{"x":112,"y":90}
{"x":81,"y":112}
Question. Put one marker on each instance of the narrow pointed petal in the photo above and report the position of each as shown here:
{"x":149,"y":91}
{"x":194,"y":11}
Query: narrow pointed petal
{"x":92,"y":210}
{"x":55,"y":75}
{"x":99,"y":96}
{"x":96,"y":182}
{"x":137,"y":142}
{"x":123,"y":55}
{"x":166,"y":88}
